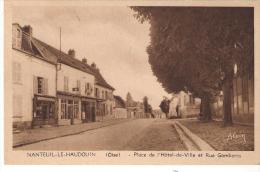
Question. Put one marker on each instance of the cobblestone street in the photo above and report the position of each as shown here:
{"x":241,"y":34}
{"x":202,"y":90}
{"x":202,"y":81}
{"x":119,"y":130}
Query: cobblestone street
{"x":140,"y":134}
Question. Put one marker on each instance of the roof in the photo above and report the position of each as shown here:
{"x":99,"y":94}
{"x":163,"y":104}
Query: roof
{"x":49,"y":51}
{"x":50,"y":54}
{"x":27,"y":46}
{"x":100,"y":79}
{"x":119,"y":102}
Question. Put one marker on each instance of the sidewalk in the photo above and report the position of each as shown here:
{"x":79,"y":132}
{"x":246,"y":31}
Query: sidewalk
{"x":191,"y":141}
{"x":40,"y":134}
{"x":233,"y":138}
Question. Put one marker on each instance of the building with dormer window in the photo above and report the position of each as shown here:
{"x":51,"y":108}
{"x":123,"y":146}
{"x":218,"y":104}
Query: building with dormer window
{"x":33,"y":81}
{"x":51,"y":87}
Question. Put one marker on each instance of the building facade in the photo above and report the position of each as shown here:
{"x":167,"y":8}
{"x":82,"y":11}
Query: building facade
{"x":104,"y":96}
{"x":75,"y":93}
{"x":51,"y":87}
{"x":119,"y":107}
{"x":33,"y":76}
{"x":185,"y":104}
{"x":135,"y":109}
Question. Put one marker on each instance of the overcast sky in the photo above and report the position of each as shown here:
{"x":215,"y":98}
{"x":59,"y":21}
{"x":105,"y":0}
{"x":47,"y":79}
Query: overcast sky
{"x":109,"y":36}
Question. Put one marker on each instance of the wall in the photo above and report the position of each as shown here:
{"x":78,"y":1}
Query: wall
{"x":120,"y":113}
{"x":30,"y":66}
{"x":74,"y":75}
{"x":188,"y":106}
{"x":109,"y":104}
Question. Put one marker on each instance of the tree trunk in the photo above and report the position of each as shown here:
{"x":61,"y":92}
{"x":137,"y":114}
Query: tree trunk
{"x":201,"y":109}
{"x":227,"y":90}
{"x":205,"y":110}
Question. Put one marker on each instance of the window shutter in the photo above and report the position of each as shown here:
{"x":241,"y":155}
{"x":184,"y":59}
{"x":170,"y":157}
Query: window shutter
{"x":14,"y":72}
{"x":18,"y":72}
{"x":46,"y":89}
{"x":79,"y":86}
{"x":35,"y":85}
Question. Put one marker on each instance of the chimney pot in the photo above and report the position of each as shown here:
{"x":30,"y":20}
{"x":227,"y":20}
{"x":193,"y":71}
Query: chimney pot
{"x":28,"y":29}
{"x":93,"y":65}
{"x":71,"y":53}
{"x":84,"y":60}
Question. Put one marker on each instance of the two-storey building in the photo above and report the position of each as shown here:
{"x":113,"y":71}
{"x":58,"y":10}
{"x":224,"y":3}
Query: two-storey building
{"x":52,"y":87}
{"x":75,"y":87}
{"x":33,"y":81}
{"x":104,"y":95}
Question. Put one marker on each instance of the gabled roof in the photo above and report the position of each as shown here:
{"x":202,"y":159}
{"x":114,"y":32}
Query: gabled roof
{"x":100,"y":79}
{"x":62,"y":57}
{"x":50,"y":54}
{"x":119,"y":102}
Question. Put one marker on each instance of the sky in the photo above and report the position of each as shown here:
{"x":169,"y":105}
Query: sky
{"x":108,"y":35}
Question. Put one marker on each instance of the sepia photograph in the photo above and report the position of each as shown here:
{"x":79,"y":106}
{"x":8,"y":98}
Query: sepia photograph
{"x":96,"y":77}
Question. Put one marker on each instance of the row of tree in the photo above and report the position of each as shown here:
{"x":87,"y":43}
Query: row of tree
{"x":196,"y":48}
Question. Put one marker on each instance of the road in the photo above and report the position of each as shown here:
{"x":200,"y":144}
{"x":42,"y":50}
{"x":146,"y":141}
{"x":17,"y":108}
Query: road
{"x":140,"y":134}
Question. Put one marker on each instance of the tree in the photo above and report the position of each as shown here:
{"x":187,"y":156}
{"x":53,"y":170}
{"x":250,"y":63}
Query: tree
{"x":129,"y":100}
{"x":196,"y":48}
{"x":146,"y":105}
{"x":165,"y":106}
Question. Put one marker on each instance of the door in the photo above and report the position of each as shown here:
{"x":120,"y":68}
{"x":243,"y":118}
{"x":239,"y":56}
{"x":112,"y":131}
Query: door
{"x":44,"y":113}
{"x":70,"y":111}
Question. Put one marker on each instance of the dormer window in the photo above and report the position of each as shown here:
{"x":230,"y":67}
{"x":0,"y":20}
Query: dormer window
{"x":16,"y":37}
{"x":19,"y":34}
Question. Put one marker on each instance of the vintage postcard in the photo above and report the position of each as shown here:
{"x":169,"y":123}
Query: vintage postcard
{"x":131,"y":82}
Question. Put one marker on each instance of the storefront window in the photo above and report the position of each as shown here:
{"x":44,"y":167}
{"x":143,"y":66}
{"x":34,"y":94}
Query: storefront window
{"x":76,"y":109}
{"x":64,"y":114}
{"x":44,"y":110}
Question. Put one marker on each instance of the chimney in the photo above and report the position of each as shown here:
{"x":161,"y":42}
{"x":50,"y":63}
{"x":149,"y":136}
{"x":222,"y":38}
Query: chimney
{"x":93,"y":65}
{"x":84,"y":60}
{"x":71,"y":53}
{"x":28,"y":29}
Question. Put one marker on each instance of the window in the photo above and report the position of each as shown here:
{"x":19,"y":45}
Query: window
{"x":97,"y":92}
{"x":66,"y":83}
{"x":106,"y":95}
{"x":40,"y":82}
{"x":40,"y":85}
{"x":87,"y":89}
{"x":76,"y":109}
{"x":17,"y":72}
{"x":19,"y":33}
{"x":78,"y":86}
{"x":64,"y":114}
{"x":103,"y":95}
{"x":17,"y":105}
{"x":16,"y":38}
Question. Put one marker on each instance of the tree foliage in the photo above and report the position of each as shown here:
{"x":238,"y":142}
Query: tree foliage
{"x":197,"y":47}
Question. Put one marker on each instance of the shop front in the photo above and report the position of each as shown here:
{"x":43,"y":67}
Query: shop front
{"x":69,"y":109}
{"x":44,"y":110}
{"x":88,"y":109}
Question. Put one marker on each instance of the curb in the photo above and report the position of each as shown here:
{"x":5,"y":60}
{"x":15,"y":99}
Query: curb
{"x":70,"y":134}
{"x":199,"y":143}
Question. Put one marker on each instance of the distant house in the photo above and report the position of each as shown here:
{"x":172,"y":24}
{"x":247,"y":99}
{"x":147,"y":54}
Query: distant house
{"x":119,"y":107}
{"x":104,"y":95}
{"x":187,"y":105}
{"x":135,"y":109}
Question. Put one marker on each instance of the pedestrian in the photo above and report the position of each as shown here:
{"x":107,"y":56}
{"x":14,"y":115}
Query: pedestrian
{"x":177,"y":110}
